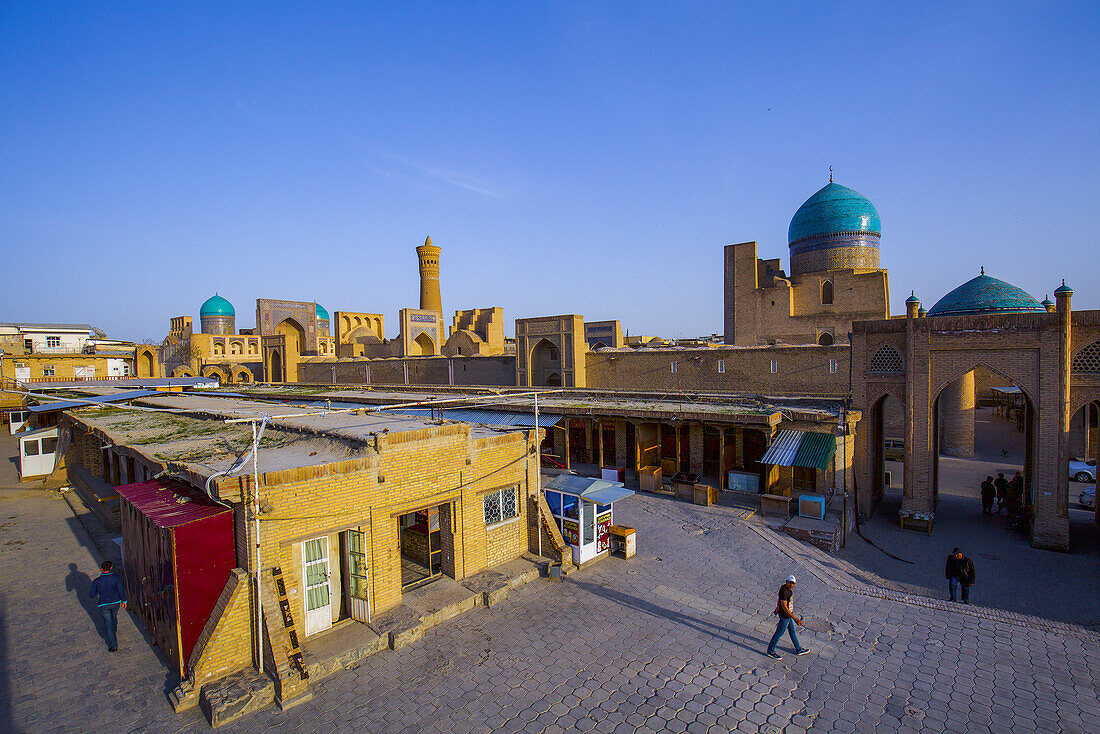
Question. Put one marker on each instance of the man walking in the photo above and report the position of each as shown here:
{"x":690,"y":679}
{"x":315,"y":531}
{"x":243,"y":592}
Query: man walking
{"x":988,"y":493}
{"x":959,"y":571}
{"x":787,"y":620}
{"x":108,"y":587}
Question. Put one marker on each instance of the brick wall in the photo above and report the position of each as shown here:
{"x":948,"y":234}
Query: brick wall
{"x":463,"y":370}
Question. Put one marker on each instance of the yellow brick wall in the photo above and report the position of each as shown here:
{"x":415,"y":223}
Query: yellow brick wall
{"x":225,"y":645}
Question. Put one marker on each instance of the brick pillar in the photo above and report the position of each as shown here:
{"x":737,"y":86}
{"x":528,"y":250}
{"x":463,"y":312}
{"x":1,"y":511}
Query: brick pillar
{"x":957,"y":417}
{"x":695,"y":447}
{"x":565,"y":455}
{"x":620,"y":443}
{"x":909,"y":498}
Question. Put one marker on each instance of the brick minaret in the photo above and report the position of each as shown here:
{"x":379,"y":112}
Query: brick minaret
{"x":429,"y":276}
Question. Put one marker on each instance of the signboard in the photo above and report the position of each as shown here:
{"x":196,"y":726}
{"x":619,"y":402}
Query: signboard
{"x":571,"y":532}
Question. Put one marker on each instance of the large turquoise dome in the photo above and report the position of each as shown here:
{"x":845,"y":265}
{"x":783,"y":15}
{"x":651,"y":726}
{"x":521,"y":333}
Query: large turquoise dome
{"x":834,"y":229}
{"x":322,"y":314}
{"x":217,"y":306}
{"x":986,"y":295}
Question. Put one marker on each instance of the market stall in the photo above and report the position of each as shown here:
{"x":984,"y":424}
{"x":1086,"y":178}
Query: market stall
{"x":584,"y":510}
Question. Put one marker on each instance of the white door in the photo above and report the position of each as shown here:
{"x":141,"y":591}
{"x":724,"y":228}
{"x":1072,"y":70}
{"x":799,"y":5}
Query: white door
{"x":318,"y":601}
{"x":357,"y":576}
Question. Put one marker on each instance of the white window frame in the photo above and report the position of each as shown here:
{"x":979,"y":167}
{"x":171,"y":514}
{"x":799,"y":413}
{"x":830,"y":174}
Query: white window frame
{"x":774,"y":366}
{"x":832,"y":366}
{"x":499,"y":493}
{"x":48,"y":371}
{"x":721,"y":366}
{"x":674,"y":367}
{"x":53,"y":342}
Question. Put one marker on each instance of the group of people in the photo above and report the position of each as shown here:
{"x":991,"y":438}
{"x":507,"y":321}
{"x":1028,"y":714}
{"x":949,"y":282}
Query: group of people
{"x":1008,"y":493}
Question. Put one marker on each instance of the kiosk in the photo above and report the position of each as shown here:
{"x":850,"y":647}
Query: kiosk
{"x":583,"y":507}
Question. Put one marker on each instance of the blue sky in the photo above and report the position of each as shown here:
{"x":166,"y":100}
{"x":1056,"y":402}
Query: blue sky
{"x":586,"y":158}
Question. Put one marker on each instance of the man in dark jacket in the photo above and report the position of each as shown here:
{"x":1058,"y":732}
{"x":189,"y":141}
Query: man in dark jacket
{"x":1001,"y":485}
{"x":112,"y":595}
{"x":959,"y":571}
{"x":988,"y":493}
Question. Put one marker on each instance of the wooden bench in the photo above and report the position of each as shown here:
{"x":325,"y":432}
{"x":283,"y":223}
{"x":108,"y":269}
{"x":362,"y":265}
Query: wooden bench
{"x":775,"y":504}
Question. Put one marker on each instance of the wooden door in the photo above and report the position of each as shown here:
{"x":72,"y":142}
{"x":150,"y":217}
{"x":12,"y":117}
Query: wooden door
{"x":357,"y":576}
{"x":318,"y":601}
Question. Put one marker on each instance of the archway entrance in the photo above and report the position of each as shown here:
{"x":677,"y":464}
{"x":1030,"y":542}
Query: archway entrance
{"x":275,"y":367}
{"x":422,"y":346}
{"x":545,"y":364}
{"x":887,"y":426}
{"x":295,"y":335}
{"x":981,"y":428}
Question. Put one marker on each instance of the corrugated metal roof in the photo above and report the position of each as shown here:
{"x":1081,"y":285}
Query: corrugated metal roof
{"x":70,"y":404}
{"x":600,"y":491}
{"x":801,"y":448}
{"x":484,"y":417}
{"x":168,"y":503}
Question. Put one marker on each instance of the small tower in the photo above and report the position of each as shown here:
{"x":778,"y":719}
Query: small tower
{"x":429,"y":276}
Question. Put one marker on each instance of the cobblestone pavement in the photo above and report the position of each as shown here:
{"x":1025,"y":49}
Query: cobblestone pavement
{"x":671,"y":640}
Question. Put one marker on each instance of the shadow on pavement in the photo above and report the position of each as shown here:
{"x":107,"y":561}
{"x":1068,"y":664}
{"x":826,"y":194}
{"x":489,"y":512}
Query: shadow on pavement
{"x":6,"y":704}
{"x":79,"y":583}
{"x":699,"y":625}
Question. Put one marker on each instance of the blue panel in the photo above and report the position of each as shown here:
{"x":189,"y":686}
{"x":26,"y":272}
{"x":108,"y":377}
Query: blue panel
{"x":554,"y":500}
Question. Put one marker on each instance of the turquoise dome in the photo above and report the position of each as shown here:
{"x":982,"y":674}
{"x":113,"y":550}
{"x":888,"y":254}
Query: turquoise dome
{"x":322,"y":314}
{"x":832,"y":210}
{"x":985,"y":295}
{"x":215,"y":305}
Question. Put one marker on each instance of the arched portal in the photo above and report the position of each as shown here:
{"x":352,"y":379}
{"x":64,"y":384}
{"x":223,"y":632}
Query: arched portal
{"x":545,"y":363}
{"x":422,"y":346}
{"x":887,"y":427}
{"x":294,"y":333}
{"x":826,"y":339}
{"x":147,"y":363}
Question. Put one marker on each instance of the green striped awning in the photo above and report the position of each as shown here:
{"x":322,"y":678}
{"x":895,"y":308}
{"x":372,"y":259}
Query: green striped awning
{"x":801,"y":448}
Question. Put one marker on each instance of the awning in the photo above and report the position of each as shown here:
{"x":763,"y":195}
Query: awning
{"x":483,"y":417}
{"x":600,"y":491}
{"x":801,"y":448}
{"x":97,"y":400}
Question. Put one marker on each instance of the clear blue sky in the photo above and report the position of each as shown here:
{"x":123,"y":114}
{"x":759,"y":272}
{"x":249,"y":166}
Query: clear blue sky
{"x":586,"y":158}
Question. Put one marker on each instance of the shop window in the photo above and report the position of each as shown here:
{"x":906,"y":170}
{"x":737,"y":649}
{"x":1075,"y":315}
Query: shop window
{"x":721,"y":366}
{"x":500,"y":505}
{"x":49,"y":445}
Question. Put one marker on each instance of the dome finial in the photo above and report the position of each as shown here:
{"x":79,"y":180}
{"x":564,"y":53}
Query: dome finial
{"x":427,"y":240}
{"x":983,"y":270}
{"x":830,"y":174}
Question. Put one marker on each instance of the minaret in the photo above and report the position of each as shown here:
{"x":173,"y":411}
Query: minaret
{"x":429,"y":276}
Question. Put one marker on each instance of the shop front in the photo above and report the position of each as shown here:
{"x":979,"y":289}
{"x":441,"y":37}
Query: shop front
{"x":583,"y":507}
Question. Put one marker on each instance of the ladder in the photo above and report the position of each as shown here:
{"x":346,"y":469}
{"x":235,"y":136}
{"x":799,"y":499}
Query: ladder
{"x":294,"y":653}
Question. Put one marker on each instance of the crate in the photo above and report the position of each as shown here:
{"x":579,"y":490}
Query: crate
{"x":812,"y":506}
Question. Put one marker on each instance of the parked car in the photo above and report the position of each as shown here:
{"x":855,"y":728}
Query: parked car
{"x":1082,"y":471}
{"x":894,"y":449}
{"x":1088,"y":498}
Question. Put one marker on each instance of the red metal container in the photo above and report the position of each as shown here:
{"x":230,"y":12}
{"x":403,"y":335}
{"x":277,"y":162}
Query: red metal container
{"x":177,"y":546}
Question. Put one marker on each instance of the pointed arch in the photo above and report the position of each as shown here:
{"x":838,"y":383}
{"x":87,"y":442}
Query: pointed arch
{"x":422,"y":346}
{"x":827,"y":292}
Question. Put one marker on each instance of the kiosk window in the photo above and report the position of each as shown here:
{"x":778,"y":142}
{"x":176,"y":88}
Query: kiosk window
{"x":30,"y":448}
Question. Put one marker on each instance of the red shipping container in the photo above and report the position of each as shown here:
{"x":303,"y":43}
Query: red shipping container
{"x":178,"y":551}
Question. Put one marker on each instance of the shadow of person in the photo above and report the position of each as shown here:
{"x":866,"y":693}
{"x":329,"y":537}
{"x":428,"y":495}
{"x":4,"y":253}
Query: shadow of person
{"x":724,"y":632}
{"x":79,"y":583}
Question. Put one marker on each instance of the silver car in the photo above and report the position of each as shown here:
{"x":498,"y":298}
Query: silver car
{"x":1082,"y":471}
{"x":1088,"y":498}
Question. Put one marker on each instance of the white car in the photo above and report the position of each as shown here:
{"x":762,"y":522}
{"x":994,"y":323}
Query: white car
{"x":1082,"y":471}
{"x":1088,"y":498}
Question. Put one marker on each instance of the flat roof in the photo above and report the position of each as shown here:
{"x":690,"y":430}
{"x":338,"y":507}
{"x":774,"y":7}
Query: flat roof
{"x":126,"y":382}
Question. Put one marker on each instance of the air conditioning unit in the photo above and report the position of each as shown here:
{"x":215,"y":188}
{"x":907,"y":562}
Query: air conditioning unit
{"x":811,"y":505}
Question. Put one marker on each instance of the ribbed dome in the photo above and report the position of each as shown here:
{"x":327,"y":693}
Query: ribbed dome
{"x":322,"y":314}
{"x":832,"y":210}
{"x":217,"y":306}
{"x":985,"y":295}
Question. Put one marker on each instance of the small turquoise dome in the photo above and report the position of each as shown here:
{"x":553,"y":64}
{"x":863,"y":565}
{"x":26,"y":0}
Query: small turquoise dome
{"x":912,"y":298}
{"x":217,"y":306}
{"x":832,"y":210}
{"x":1063,"y":289}
{"x":322,"y":314}
{"x":985,"y":295}
{"x":1046,"y":301}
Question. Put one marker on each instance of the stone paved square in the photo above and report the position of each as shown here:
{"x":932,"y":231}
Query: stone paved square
{"x":671,"y":640}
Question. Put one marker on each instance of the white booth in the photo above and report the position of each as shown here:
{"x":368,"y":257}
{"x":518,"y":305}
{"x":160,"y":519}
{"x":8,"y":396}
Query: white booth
{"x":37,"y":452}
{"x":584,"y":510}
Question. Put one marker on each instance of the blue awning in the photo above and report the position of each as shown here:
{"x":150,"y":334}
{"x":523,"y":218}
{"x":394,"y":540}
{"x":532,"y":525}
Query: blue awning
{"x":484,"y":417}
{"x":97,"y":400}
{"x":801,"y":448}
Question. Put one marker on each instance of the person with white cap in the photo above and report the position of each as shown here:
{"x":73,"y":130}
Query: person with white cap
{"x":787,"y":620}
